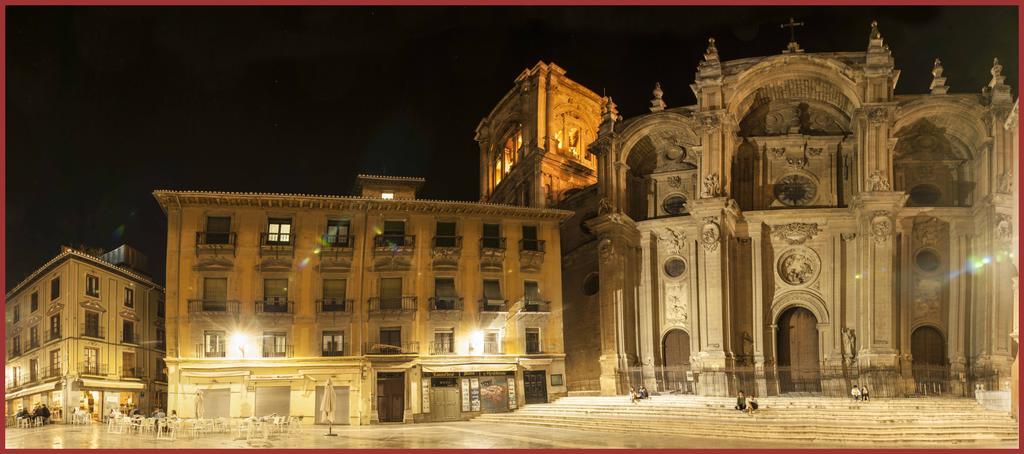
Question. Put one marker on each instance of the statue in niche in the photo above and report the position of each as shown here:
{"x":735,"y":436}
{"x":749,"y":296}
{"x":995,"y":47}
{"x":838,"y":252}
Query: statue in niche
{"x":849,"y":344}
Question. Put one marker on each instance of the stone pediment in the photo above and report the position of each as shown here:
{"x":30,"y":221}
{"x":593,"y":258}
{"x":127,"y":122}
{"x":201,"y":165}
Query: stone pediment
{"x":55,"y":308}
{"x":531,"y":261}
{"x":129,"y":314}
{"x":92,"y":305}
{"x":275,"y":263}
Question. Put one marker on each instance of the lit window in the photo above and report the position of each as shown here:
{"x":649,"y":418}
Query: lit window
{"x":387,"y":195}
{"x":279,"y":231}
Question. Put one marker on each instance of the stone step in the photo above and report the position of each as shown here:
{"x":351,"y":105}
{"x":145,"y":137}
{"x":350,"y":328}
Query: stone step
{"x":825,"y":435}
{"x":761,"y":421}
{"x":794,"y":411}
{"x":774,"y":416}
{"x":832,"y":437}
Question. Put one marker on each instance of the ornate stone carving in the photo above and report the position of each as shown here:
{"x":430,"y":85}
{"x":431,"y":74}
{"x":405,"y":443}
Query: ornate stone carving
{"x":1004,"y":183}
{"x":797,"y":162}
{"x":848,"y":236}
{"x":606,"y":250}
{"x":878,"y":115}
{"x":1003,"y":227}
{"x":927,"y":295}
{"x":778,"y":152}
{"x":675,"y":241}
{"x":928,"y":232}
{"x":445,"y":257}
{"x":92,"y":306}
{"x":798,"y":266}
{"x":657,"y":104}
{"x":795,"y":232}
{"x":128,"y":314}
{"x":881,"y":226}
{"x":604,"y":206}
{"x":814,"y":151}
{"x":878,"y":182}
{"x":710,"y":123}
{"x":711,"y":186}
{"x":710,"y":234}
{"x":675,"y":181}
{"x":677,"y":312}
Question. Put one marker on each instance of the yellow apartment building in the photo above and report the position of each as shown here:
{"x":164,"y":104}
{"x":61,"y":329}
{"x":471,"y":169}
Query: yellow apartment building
{"x":86,"y":331}
{"x":418,"y":310}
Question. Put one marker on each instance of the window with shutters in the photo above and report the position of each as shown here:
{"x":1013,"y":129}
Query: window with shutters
{"x":337,"y":233}
{"x":444,"y":293}
{"x":391,"y":293}
{"x":218,"y":230}
{"x":491,"y":237}
{"x":493,"y":301}
{"x":129,"y":297}
{"x":530,"y":242}
{"x":445,"y":235}
{"x":334,"y":295}
{"x":92,"y":286}
{"x":279,"y":231}
{"x":34,"y":302}
{"x":215,"y":293}
{"x":333,"y":343}
{"x":532,"y":340}
{"x":214,"y":344}
{"x":444,"y":340}
{"x":55,"y":288}
{"x":275,"y":345}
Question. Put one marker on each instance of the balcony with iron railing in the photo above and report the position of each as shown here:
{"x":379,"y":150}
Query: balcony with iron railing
{"x":403,"y":348}
{"x":335,"y":252}
{"x":277,"y":245}
{"x":533,"y":305}
{"x":13,"y":383}
{"x":531,"y":255}
{"x":492,"y":253}
{"x":51,"y":372}
{"x":337,"y":243}
{"x":93,"y":331}
{"x":94,"y":369}
{"x":446,"y":303}
{"x":442,"y":348}
{"x":397,"y":304}
{"x":132,"y":373}
{"x":33,"y":343}
{"x":53,"y":334}
{"x":13,"y":351}
{"x":445,"y":253}
{"x":333,"y":307}
{"x":212,"y":307}
{"x":336,"y":352}
{"x":275,"y":306}
{"x":277,"y":351}
{"x":391,"y":244}
{"x":201,"y":352}
{"x":216,"y":243}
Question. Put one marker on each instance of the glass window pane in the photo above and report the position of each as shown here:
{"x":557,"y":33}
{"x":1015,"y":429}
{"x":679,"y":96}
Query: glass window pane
{"x":275,"y":288}
{"x":492,"y":290}
{"x":492,"y":231}
{"x":445,"y":229}
{"x":529,"y":232}
{"x":391,"y":288}
{"x":444,"y":287}
{"x":334,"y":288}
{"x":215,"y":289}
{"x":218,"y":224}
{"x":531,"y":290}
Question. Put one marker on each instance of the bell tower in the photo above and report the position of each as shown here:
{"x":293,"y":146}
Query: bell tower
{"x":533,"y":144}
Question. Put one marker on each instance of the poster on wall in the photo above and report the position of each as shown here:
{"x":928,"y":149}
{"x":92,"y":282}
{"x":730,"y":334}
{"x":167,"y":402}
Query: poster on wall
{"x":426,"y":395}
{"x":512,"y":393}
{"x":474,"y":393}
{"x":465,"y":394}
{"x":493,"y":394}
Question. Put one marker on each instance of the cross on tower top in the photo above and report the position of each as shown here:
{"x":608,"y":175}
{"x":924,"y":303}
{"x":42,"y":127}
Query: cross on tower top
{"x":792,"y":24}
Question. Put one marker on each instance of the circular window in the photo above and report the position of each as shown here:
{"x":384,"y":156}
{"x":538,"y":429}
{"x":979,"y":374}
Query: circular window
{"x":591,"y":285}
{"x":927,"y":260}
{"x":795,"y":190}
{"x":675,"y":267}
{"x":925,"y":195}
{"x":675,"y":205}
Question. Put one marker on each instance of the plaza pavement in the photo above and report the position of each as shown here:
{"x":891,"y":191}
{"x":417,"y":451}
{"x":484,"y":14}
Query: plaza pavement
{"x":451,"y":435}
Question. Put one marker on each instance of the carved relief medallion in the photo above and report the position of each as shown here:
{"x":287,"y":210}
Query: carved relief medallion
{"x":675,"y":241}
{"x":606,"y":250}
{"x":711,"y":186}
{"x":798,"y":266}
{"x":1003,"y":227}
{"x":710,"y":234}
{"x":881,"y":226}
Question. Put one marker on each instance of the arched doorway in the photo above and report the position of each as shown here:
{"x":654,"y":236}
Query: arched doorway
{"x":797,"y":352}
{"x":928,"y":350}
{"x":676,"y":353}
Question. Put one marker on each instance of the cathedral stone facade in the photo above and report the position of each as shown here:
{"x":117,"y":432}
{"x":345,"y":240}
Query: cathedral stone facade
{"x":799,"y":230}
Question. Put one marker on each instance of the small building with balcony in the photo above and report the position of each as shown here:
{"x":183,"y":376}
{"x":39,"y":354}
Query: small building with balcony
{"x":86,"y":330}
{"x":411,"y":306}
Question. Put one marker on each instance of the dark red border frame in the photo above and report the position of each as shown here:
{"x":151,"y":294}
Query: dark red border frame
{"x":3,"y":153}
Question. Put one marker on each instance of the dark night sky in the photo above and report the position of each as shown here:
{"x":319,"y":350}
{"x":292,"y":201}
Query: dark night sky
{"x":107,"y":104}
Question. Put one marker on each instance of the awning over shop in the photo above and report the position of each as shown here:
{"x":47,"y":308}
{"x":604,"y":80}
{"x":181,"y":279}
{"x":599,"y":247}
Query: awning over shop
{"x":215,"y":373}
{"x":469,"y":368}
{"x":113,"y":385}
{"x":33,"y":390}
{"x":534,"y":363}
{"x":286,"y":377}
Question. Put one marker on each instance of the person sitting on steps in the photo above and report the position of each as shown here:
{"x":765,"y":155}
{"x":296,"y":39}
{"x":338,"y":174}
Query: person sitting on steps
{"x":863,"y":393}
{"x":741,"y":401}
{"x":855,"y":392}
{"x":751,"y":405}
{"x":632,"y":395}
{"x":643,"y":392}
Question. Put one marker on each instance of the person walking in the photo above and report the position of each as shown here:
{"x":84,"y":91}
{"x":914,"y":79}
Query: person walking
{"x":855,"y":393}
{"x":741,"y":401}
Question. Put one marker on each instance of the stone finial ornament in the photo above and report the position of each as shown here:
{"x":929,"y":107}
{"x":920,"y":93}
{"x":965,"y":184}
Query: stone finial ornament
{"x":938,"y":86}
{"x":997,"y":73}
{"x":711,"y":54}
{"x":657,"y":105}
{"x":875,"y":34}
{"x":609,"y":115}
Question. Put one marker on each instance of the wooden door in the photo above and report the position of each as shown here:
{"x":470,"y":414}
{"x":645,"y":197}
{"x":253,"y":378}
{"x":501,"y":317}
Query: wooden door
{"x":390,"y":396}
{"x":535,"y":387}
{"x":797,"y":345}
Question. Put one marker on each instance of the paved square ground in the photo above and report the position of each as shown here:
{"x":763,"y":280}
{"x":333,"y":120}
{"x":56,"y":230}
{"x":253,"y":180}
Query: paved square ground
{"x":466,"y":434}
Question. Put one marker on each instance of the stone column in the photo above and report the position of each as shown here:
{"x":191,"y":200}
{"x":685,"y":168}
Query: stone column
{"x":647,"y":320}
{"x":905,"y":230}
{"x":712,"y":294}
{"x":757,"y":320}
{"x":878,"y":316}
{"x":616,"y":267}
{"x":959,"y":249}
